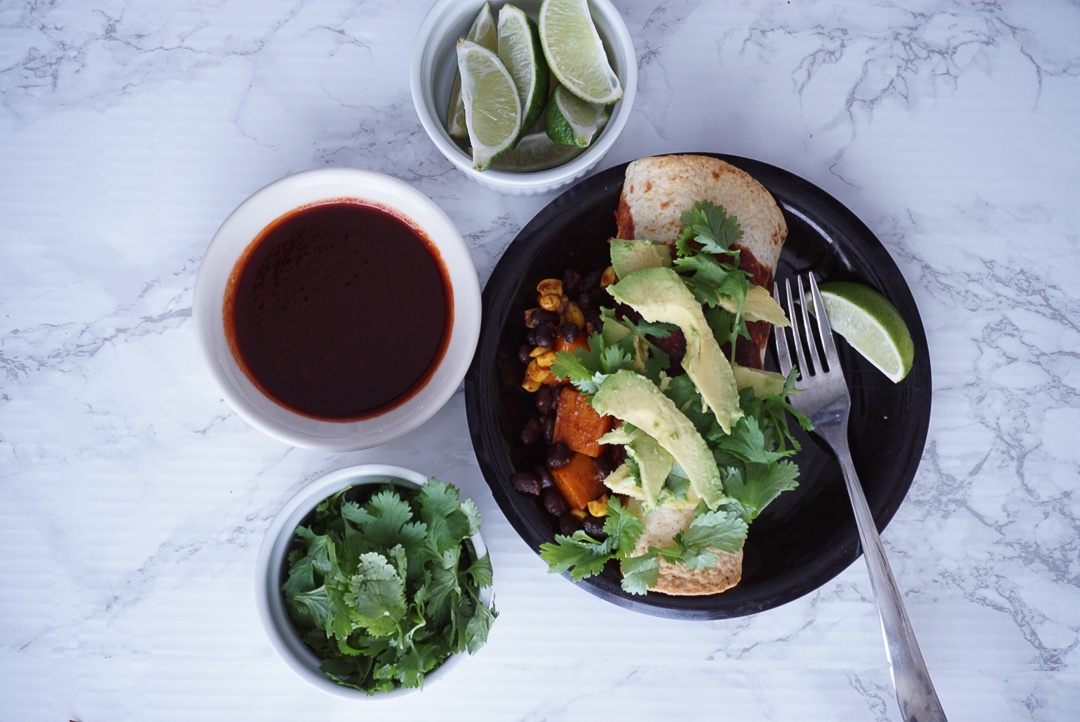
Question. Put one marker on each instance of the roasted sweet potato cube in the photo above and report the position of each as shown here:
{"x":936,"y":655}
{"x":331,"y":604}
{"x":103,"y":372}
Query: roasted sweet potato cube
{"x":579,"y":481}
{"x":577,"y":424}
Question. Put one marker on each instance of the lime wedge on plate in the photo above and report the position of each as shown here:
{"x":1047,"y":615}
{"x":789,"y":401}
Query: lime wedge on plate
{"x":492,"y":107}
{"x":536,"y":151}
{"x":871,"y":325}
{"x":519,"y":49}
{"x":569,"y":120}
{"x":576,"y":53}
{"x":484,"y":33}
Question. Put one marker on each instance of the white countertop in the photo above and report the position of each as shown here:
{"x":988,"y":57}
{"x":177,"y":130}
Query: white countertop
{"x":133,"y":500}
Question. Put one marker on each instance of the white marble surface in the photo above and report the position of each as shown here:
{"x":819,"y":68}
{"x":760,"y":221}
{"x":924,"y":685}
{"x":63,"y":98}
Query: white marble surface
{"x":132,"y":500}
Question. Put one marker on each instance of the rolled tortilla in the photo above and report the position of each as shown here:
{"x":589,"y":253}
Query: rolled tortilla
{"x":658,"y":190}
{"x":655,"y":194}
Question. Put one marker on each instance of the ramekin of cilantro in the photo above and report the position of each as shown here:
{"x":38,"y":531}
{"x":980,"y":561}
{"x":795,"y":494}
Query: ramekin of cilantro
{"x":374,"y":580}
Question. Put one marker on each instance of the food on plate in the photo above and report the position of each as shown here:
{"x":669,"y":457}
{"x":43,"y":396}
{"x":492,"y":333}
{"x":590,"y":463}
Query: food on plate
{"x":384,"y":585}
{"x":871,"y":324}
{"x":314,"y":302}
{"x":507,"y":110}
{"x":689,"y":436}
{"x":658,"y":190}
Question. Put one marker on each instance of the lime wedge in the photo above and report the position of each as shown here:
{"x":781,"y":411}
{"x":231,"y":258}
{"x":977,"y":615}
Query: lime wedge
{"x":536,"y":151}
{"x":575,"y":52}
{"x":492,"y":107}
{"x":519,"y":49}
{"x":569,"y":120}
{"x":484,"y":33}
{"x":871,"y":325}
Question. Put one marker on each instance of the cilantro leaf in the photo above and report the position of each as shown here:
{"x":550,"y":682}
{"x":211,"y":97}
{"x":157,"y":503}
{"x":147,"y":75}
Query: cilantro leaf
{"x":622,"y":528}
{"x":719,"y":529}
{"x":376,"y":595}
{"x":747,"y":442}
{"x":761,"y":484}
{"x":709,"y":225}
{"x":639,"y":573}
{"x":579,"y":554}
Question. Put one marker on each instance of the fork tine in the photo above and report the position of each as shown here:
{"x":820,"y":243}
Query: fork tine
{"x":824,"y":327}
{"x":808,"y":333}
{"x":804,"y":371}
{"x":783,"y":354}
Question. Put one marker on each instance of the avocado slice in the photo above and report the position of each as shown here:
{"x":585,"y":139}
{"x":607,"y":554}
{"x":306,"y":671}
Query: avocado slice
{"x":629,"y":256}
{"x":659,"y":294}
{"x":636,"y":400}
{"x":654,"y":465}
{"x":622,"y":481}
{"x":764,"y":383}
{"x":757,"y":306}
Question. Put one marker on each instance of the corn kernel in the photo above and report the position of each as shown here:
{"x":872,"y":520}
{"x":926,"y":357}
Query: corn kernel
{"x":598,"y":507}
{"x":608,"y":277}
{"x":539,"y":351}
{"x":579,"y":513}
{"x":535,"y":371}
{"x":545,"y":360}
{"x":573,"y":314}
{"x":531,"y":385}
{"x":550,"y":287}
{"x":550,"y":302}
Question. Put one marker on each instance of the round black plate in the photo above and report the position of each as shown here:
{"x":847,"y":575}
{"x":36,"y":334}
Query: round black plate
{"x":807,"y":536}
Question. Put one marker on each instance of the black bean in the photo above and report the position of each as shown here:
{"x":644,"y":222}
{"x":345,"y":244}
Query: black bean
{"x":591,"y":280}
{"x":585,"y":302}
{"x":536,"y":317}
{"x":524,"y":353}
{"x":546,"y":398}
{"x":568,"y":331}
{"x":548,"y":423}
{"x":603,"y":466}
{"x":525,"y":482}
{"x":594,"y":527}
{"x":558,"y":455}
{"x":568,"y":524}
{"x":554,"y":502}
{"x":544,"y":475}
{"x":544,"y":335}
{"x":532,"y":432}
{"x":618,"y":454}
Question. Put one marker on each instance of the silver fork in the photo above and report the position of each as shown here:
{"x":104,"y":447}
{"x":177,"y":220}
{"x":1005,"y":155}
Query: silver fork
{"x":824,"y":397}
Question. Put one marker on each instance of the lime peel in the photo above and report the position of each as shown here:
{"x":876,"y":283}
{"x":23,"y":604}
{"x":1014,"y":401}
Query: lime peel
{"x":871,"y":325}
{"x":575,"y":52}
{"x":485,"y":33}
{"x":519,"y":49}
{"x":492,"y":106}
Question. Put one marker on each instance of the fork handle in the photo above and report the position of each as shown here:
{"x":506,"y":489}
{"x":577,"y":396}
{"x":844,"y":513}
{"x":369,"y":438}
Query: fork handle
{"x":914,"y":690}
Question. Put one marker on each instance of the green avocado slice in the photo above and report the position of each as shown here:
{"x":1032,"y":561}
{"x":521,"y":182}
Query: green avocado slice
{"x":659,"y":294}
{"x":636,"y":400}
{"x":629,"y":256}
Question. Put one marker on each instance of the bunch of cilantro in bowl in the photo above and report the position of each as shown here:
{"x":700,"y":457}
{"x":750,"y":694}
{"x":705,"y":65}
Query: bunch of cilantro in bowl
{"x":385,"y":583}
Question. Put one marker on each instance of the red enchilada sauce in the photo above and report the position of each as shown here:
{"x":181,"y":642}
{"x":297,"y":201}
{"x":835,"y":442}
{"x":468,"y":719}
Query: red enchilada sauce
{"x":339,"y":311}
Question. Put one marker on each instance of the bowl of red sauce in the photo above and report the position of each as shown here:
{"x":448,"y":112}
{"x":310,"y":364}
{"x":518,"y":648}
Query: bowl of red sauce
{"x":337,"y":309}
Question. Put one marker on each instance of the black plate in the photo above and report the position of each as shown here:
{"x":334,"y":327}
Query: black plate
{"x":807,"y":536}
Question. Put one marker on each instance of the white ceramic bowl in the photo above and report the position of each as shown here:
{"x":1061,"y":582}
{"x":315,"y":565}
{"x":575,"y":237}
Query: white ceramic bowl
{"x":432,"y":77}
{"x":242,"y":227}
{"x":272,"y":565}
